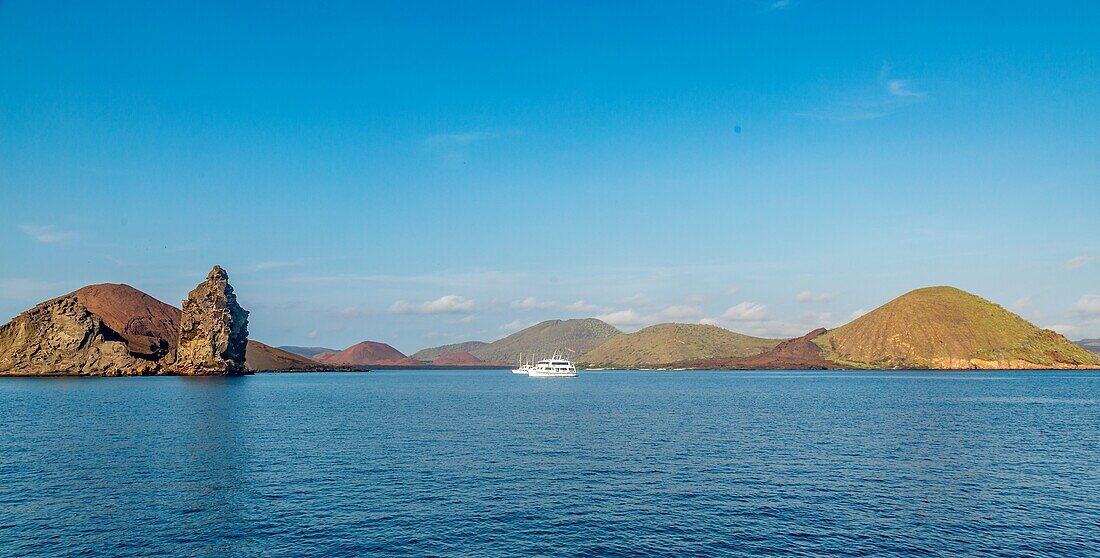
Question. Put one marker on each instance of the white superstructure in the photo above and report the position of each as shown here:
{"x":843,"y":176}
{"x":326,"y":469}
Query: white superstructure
{"x":556,"y":367}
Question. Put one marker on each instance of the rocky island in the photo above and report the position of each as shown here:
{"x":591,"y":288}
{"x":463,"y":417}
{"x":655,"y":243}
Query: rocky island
{"x":117,"y":330}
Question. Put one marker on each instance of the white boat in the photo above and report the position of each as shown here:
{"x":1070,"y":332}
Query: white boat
{"x":556,"y":367}
{"x":524,"y":368}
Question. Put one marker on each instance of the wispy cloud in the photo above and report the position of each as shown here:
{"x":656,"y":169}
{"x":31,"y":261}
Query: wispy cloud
{"x":448,"y":304}
{"x":531,"y":303}
{"x":869,"y":100}
{"x":1023,"y":305}
{"x":780,"y":4}
{"x":458,"y":138}
{"x":47,"y":234}
{"x":514,"y":325}
{"x":21,"y":289}
{"x":902,"y":88}
{"x":267,"y":266}
{"x":654,"y":315}
{"x":807,"y":296}
{"x":1078,"y":262}
{"x":581,"y":307}
{"x":352,"y":312}
{"x":444,"y":278}
{"x":746,"y":312}
{"x":1088,"y":306}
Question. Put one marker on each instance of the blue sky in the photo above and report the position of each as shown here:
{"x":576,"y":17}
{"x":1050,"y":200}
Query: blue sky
{"x":423,"y":173}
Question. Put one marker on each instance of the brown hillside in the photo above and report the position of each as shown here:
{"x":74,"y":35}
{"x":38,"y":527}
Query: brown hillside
{"x":367,"y":353}
{"x":149,"y":326}
{"x":793,"y":354}
{"x":265,"y":358}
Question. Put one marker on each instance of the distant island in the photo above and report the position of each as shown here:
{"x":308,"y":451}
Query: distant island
{"x":117,"y":330}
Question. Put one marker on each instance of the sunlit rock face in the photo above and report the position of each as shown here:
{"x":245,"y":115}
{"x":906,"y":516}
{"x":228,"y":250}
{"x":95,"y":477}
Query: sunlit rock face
{"x":62,"y":337}
{"x":213,"y":334}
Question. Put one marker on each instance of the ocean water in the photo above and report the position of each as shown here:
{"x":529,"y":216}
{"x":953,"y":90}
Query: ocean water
{"x":486,"y":463}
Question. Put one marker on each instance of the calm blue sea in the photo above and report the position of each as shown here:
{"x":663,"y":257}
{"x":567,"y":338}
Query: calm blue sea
{"x":486,"y":463}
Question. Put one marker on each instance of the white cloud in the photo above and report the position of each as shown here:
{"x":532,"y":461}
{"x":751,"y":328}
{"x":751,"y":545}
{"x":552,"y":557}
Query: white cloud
{"x":582,"y":306}
{"x":901,"y":88}
{"x":732,"y":291}
{"x":680,"y":312}
{"x":780,"y":4}
{"x":807,"y":296}
{"x":352,"y":312}
{"x":746,"y":312}
{"x":622,"y":318}
{"x":448,"y":304}
{"x":1088,"y":306}
{"x":512,"y":326}
{"x":531,"y":303}
{"x":1023,"y":305}
{"x":673,"y":313}
{"x":1078,"y":262}
{"x":637,"y":300}
{"x":468,"y":319}
{"x":312,"y":334}
{"x":47,"y":234}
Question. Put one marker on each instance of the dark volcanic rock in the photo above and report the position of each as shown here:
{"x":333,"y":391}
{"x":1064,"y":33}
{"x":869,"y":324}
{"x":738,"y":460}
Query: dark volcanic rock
{"x":213,"y":335}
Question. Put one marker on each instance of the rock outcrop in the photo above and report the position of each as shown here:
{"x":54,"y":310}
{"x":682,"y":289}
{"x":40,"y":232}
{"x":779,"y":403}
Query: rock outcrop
{"x":63,"y":337}
{"x":213,"y":337}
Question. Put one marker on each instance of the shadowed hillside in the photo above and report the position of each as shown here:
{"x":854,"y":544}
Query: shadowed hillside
{"x":663,"y":344}
{"x":944,"y":327}
{"x":573,"y":337}
{"x":1092,"y":345}
{"x":264,"y":358}
{"x":436,"y":352}
{"x":309,"y":352}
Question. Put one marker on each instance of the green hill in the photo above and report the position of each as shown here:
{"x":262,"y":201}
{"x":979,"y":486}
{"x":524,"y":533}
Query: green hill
{"x":433,"y":353}
{"x":573,"y":337}
{"x":663,"y":344}
{"x":946,"y":328}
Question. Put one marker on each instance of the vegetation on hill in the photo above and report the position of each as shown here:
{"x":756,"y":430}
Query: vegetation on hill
{"x":573,"y":337}
{"x":663,"y":344}
{"x":944,"y":327}
{"x":443,"y":350}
